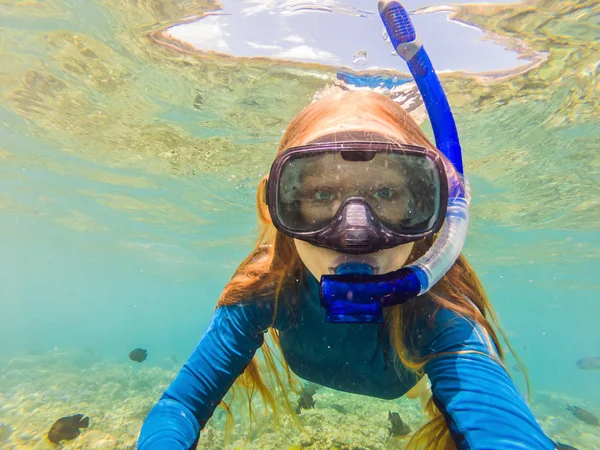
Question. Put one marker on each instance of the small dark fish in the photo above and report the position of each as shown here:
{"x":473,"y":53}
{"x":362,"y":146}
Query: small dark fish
{"x":398,"y":428}
{"x":517,"y":368}
{"x":67,"y":428}
{"x":560,"y":446}
{"x":138,"y":355}
{"x":249,"y":102}
{"x":198,"y":101}
{"x":584,"y":415}
{"x":340,"y":408}
{"x":306,"y":400}
{"x":589,"y":363}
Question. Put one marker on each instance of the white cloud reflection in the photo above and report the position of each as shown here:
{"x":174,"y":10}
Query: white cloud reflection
{"x":207,"y":33}
{"x":263,"y":46}
{"x":295,"y":39}
{"x":307,"y":52}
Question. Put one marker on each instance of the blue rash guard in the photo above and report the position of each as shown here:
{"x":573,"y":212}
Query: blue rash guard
{"x":481,"y":405}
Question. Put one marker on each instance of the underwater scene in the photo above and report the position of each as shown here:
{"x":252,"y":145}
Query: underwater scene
{"x":134,"y":134}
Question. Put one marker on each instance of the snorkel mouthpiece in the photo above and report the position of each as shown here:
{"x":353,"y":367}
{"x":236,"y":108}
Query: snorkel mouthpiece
{"x":355,"y":295}
{"x":355,"y":268}
{"x":351,"y":296}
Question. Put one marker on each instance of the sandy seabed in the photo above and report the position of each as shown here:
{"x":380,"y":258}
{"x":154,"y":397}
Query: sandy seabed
{"x":36,"y":390}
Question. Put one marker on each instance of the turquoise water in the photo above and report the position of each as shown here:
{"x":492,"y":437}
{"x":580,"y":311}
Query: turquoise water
{"x":127,"y":181}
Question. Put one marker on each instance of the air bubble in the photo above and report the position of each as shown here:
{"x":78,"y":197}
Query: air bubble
{"x":360,"y":58}
{"x":385,"y":36}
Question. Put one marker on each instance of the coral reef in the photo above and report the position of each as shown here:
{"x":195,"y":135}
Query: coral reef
{"x":35,"y":390}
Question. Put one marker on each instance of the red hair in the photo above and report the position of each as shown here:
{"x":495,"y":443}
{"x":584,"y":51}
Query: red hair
{"x":274,"y":263}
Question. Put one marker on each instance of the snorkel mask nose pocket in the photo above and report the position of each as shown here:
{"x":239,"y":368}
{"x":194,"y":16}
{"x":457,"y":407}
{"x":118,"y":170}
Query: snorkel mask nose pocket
{"x":355,"y":232}
{"x":355,"y":229}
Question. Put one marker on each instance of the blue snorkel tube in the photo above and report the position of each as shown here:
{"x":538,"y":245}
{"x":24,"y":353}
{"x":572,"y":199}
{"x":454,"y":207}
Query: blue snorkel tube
{"x":406,"y":43}
{"x":354,"y":294}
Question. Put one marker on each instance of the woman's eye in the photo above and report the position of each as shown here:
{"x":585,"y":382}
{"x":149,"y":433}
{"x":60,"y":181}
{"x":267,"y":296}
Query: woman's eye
{"x":323,"y":195}
{"x":385,"y":193}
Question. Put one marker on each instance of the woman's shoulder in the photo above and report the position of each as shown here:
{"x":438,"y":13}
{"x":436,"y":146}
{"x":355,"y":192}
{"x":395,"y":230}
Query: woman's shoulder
{"x":432,"y":312}
{"x":439,"y":326}
{"x":266,"y":305}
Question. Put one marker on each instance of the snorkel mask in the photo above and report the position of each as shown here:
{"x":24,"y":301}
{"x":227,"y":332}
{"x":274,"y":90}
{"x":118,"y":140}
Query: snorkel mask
{"x":376,"y":195}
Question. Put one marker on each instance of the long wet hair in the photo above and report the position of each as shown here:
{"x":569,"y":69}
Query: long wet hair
{"x":274,"y":265}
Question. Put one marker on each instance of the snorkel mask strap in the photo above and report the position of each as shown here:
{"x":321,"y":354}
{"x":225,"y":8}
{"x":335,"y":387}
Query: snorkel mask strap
{"x":361,"y":297}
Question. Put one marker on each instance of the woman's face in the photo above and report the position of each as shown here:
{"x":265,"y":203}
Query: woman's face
{"x":320,"y":261}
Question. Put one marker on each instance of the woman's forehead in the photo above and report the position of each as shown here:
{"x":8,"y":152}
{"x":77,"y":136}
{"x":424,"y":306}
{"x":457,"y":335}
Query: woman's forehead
{"x":354,"y":136}
{"x":352,"y":127}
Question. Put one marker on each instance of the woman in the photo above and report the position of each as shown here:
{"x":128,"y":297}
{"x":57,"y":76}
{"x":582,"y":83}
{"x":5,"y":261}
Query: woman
{"x":356,"y":194}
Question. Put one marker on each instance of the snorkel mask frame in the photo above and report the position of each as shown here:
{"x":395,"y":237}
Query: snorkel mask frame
{"x":356,"y":228}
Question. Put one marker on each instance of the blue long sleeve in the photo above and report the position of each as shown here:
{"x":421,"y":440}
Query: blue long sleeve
{"x":224,"y":351}
{"x":481,"y":404}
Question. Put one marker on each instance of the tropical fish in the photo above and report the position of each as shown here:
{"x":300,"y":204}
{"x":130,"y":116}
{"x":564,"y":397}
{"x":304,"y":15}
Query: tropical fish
{"x":67,"y":428}
{"x":398,"y":428}
{"x":198,"y":101}
{"x":340,"y":408}
{"x":138,"y":355}
{"x":592,"y":363}
{"x":306,"y":400}
{"x":584,"y":415}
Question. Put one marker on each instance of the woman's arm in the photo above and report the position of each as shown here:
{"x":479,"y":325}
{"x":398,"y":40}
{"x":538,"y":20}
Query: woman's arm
{"x":481,"y":404}
{"x":228,"y":345}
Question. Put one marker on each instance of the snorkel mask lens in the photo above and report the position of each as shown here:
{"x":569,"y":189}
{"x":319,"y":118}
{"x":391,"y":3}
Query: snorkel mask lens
{"x":358,"y":197}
